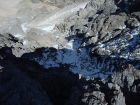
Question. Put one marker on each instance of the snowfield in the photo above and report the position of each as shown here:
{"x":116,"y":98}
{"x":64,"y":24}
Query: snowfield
{"x":80,"y":62}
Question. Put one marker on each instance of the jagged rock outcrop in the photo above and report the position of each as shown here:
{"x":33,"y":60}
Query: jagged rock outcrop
{"x":103,"y":31}
{"x":18,"y":46}
{"x":25,"y":82}
{"x":102,"y":36}
{"x":100,"y":92}
{"x":127,"y":77}
{"x":17,"y":87}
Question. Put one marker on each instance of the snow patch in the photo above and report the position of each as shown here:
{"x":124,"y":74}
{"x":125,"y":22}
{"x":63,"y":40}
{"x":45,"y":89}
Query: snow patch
{"x":24,"y":42}
{"x":19,"y":36}
{"x":122,"y":27}
{"x":49,"y":28}
{"x":24,"y":28}
{"x":56,"y":46}
{"x":80,"y":62}
{"x":70,"y":44}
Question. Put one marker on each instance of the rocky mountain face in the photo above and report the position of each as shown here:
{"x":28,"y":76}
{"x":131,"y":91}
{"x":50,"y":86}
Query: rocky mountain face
{"x":25,"y":82}
{"x":70,"y":52}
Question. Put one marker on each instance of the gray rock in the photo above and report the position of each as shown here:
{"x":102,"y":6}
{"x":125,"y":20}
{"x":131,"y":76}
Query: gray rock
{"x":116,"y":22}
{"x":92,"y":40}
{"x":136,"y":14}
{"x":108,"y":8}
{"x":127,"y":78}
{"x":132,"y":22}
{"x":18,"y":88}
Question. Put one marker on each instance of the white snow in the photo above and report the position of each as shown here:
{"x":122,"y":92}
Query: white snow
{"x":19,"y":36}
{"x":70,"y":44}
{"x":24,"y":42}
{"x":122,"y":27}
{"x":138,"y":24}
{"x":123,"y":56}
{"x":24,"y":28}
{"x":56,"y":46}
{"x":79,"y":62}
{"x":101,"y":45}
{"x":48,"y":28}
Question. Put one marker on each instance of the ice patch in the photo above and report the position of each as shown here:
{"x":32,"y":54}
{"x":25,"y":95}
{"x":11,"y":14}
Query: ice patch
{"x":24,"y":42}
{"x":19,"y":36}
{"x":70,"y":44}
{"x":101,"y":45}
{"x":122,"y":27}
{"x":138,"y":24}
{"x":56,"y":46}
{"x":124,"y":56}
{"x":79,"y":62}
{"x":24,"y":28}
{"x":113,"y":56}
{"x":49,"y":28}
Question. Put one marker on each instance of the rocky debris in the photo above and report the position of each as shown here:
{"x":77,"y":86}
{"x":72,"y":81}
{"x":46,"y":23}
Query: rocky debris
{"x":136,"y":14}
{"x":121,"y":46}
{"x":102,"y":30}
{"x":58,"y":85}
{"x":107,"y":7}
{"x":127,"y":77}
{"x":100,"y":92}
{"x":97,"y":91}
{"x":18,"y":46}
{"x":97,"y":26}
{"x":80,"y":20}
{"x":21,"y":77}
{"x":63,"y":27}
{"x":132,"y":22}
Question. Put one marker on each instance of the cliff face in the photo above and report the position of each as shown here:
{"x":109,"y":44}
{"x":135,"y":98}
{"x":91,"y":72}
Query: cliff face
{"x":26,"y":82}
{"x":69,"y":52}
